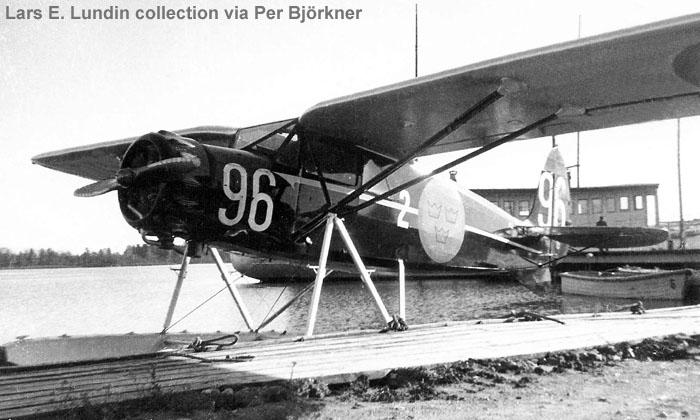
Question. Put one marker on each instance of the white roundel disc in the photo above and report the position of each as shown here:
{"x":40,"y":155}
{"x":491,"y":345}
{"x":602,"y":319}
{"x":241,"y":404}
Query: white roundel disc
{"x":441,"y":220}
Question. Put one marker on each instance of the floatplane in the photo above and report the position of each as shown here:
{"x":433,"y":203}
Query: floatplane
{"x":335,"y":189}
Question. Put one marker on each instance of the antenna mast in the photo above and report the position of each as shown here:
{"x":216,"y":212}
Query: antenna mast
{"x":416,"y":65}
{"x":578,"y":133}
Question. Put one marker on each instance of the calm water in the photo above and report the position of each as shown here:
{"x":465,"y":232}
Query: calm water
{"x":78,"y":301}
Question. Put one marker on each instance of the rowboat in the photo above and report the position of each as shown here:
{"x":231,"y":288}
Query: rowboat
{"x":630,"y":282}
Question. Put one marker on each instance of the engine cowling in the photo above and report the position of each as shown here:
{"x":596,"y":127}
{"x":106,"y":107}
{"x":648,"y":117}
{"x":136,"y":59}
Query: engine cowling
{"x":230,"y":196}
{"x":165,"y":204}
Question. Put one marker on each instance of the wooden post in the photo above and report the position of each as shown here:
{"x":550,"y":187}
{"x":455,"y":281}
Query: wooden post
{"x":402,"y":290}
{"x":681,"y":244}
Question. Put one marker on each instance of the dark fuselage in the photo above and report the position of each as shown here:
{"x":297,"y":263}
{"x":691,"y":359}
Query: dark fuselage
{"x":253,"y":200}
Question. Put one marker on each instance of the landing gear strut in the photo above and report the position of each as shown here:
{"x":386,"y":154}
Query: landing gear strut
{"x":332,"y":220}
{"x":182,"y":273}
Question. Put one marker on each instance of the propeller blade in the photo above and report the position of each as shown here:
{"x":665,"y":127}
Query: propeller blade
{"x":128,"y":176}
{"x":98,"y":188}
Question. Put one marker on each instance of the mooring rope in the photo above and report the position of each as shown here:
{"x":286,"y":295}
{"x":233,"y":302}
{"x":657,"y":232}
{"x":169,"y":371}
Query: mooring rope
{"x":275,"y":303}
{"x":198,"y":306}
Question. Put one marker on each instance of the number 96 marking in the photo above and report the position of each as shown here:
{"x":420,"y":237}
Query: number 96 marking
{"x":235,"y":185}
{"x":551,"y":195}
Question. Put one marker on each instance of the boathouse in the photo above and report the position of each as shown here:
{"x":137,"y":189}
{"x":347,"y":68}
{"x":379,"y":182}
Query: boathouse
{"x":634,"y":205}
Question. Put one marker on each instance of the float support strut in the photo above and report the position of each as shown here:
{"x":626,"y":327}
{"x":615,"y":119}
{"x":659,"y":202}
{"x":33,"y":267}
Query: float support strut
{"x":361,"y":267}
{"x":332,"y":220}
{"x":320,"y":275}
{"x":284,"y":307}
{"x":232,"y":289}
{"x":182,"y":273}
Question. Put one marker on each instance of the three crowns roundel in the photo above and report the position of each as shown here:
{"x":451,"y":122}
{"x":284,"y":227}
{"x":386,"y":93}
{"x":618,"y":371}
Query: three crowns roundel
{"x":441,"y":220}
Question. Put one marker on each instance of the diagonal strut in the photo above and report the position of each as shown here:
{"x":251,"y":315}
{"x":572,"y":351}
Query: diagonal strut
{"x":455,"y":162}
{"x":507,"y":86}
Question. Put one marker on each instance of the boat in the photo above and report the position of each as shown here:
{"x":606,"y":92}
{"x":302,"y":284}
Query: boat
{"x":631,"y":282}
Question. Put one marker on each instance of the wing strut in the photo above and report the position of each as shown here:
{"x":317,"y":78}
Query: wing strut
{"x":319,"y":172}
{"x":506,"y":87}
{"x":463,"y":159}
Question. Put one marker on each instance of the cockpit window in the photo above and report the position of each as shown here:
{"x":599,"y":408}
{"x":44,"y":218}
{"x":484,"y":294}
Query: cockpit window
{"x":287,"y":153}
{"x":340,"y":166}
{"x":371,"y":169}
{"x":281,"y":149}
{"x":251,"y":135}
{"x":278,"y":141}
{"x":270,"y":144}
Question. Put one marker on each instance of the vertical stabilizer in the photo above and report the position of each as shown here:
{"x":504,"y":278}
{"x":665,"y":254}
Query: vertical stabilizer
{"x":553,"y":200}
{"x":551,"y":208}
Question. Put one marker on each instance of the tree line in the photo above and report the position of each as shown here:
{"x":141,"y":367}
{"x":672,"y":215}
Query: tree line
{"x":132,"y":255}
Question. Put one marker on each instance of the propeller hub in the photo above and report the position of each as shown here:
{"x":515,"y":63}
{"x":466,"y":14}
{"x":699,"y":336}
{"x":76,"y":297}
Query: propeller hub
{"x":126,"y":177}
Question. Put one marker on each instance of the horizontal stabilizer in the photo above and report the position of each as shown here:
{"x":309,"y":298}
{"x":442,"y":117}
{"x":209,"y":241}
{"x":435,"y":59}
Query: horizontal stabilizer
{"x":602,"y":236}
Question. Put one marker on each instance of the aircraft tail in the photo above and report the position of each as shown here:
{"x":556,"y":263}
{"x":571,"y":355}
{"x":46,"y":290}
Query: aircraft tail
{"x":551,"y":209}
{"x":553,"y":201}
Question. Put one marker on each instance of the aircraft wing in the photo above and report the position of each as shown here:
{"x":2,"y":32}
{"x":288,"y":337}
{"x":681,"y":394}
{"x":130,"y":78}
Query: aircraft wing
{"x":102,"y":160}
{"x":603,"y":236}
{"x":640,"y":74}
{"x":96,"y":161}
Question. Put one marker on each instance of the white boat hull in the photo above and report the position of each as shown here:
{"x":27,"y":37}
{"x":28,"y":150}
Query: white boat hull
{"x":642,"y":284}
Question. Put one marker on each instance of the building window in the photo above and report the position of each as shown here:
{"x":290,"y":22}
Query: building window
{"x":638,"y":202}
{"x":523,"y":208}
{"x":582,"y":206}
{"x":651,"y":211}
{"x":509,"y":207}
{"x":597,"y":205}
{"x":624,"y":203}
{"x":610,"y":205}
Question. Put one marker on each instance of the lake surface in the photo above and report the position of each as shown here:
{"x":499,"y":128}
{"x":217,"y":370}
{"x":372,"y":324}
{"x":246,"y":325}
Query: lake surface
{"x":80,"y":301}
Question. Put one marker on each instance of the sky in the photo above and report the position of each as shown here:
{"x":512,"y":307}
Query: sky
{"x":66,"y":83}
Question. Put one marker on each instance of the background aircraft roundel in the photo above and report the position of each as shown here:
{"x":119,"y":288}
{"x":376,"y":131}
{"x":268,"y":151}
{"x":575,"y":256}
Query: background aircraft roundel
{"x":441,"y":220}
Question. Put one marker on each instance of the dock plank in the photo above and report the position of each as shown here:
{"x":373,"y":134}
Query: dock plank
{"x":333,"y":356}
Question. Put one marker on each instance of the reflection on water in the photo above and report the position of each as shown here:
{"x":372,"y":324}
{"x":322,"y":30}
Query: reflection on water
{"x":79,"y":301}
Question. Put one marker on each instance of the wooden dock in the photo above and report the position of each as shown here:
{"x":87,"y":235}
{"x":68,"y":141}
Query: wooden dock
{"x":334,"y":358}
